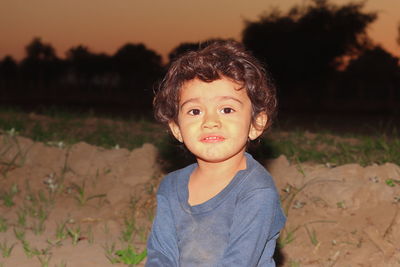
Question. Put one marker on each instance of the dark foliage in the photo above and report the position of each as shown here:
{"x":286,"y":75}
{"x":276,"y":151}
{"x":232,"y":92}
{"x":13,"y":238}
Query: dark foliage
{"x":304,"y":47}
{"x":137,"y":68}
{"x":373,"y":77}
{"x":83,"y":79}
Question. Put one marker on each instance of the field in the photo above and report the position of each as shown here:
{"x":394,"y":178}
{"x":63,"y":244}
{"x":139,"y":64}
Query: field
{"x":79,"y":190}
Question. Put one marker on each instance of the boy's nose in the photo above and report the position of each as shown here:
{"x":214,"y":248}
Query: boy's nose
{"x":211,"y":121}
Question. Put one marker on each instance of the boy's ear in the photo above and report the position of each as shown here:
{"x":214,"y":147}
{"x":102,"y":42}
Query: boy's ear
{"x":257,"y":128}
{"x":175,"y":130}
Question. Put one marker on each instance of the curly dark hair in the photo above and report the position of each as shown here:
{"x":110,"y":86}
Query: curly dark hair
{"x":221,"y":58}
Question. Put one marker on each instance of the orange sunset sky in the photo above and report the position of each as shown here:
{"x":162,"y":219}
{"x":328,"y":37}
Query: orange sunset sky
{"x":106,"y":25}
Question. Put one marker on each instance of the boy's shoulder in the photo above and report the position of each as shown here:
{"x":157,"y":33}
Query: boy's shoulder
{"x":258,"y":177}
{"x":171,"y":179}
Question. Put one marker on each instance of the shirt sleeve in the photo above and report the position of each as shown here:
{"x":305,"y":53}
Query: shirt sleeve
{"x":162,"y":247}
{"x":256,"y":224}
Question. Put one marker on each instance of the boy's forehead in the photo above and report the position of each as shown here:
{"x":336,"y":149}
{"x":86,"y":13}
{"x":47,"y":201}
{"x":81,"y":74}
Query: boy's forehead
{"x":196,"y":82}
{"x":219,"y":90}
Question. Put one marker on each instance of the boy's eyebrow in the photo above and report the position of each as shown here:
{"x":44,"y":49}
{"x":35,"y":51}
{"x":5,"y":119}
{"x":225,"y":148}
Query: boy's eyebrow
{"x":195,"y":100}
{"x":230,"y":98}
{"x":220,"y":98}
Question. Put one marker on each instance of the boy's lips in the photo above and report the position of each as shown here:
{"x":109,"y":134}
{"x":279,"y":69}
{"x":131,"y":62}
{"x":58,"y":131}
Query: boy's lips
{"x":212,"y":138}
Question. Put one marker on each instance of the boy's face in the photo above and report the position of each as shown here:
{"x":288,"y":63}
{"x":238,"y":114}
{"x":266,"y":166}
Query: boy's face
{"x":214,"y":120}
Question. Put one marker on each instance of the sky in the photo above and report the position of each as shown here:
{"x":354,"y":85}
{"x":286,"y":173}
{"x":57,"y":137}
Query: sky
{"x":106,"y":25}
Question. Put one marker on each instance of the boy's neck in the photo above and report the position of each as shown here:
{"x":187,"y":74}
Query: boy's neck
{"x":225,"y":169}
{"x":209,"y":178}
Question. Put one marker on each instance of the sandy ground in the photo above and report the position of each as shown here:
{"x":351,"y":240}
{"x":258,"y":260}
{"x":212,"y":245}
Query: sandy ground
{"x":337,"y":215}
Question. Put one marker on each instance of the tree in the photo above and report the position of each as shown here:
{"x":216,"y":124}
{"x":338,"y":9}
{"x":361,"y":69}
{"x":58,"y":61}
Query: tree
{"x":89,"y":69}
{"x":373,"y":76}
{"x":138,"y":69}
{"x":304,"y":47}
{"x":8,"y":68}
{"x":41,"y":66}
{"x":8,"y":75}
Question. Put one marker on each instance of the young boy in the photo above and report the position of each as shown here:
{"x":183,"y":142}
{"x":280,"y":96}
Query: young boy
{"x":223,"y":210}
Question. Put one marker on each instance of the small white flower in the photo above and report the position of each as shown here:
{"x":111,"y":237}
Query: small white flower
{"x":12,"y":132}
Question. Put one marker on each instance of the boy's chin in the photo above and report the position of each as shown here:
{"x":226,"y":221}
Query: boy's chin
{"x":215,"y":157}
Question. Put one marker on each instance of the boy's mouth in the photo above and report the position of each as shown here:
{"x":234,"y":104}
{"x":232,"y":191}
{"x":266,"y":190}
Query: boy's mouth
{"x":212,"y":139}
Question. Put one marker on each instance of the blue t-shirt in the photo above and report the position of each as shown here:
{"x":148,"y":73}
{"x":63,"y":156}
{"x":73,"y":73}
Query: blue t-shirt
{"x":237,"y":227}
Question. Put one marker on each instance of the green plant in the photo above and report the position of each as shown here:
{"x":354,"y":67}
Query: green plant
{"x":19,"y":234}
{"x":61,"y":231}
{"x":6,"y":249}
{"x":110,"y":252}
{"x":3,"y":224}
{"x":54,"y":243}
{"x":80,"y":195}
{"x":38,"y":227}
{"x":44,"y":257}
{"x":90,"y":236}
{"x":39,"y":214}
{"x":341,"y":204}
{"x":127,"y":232}
{"x":294,"y":263}
{"x":287,"y":237}
{"x":10,"y":140}
{"x":21,"y":218}
{"x":143,"y":232}
{"x":75,"y":234}
{"x":312,"y":235}
{"x":392,"y":182}
{"x":29,"y":251}
{"x":300,"y":167}
{"x":129,"y":256}
{"x":8,"y":196}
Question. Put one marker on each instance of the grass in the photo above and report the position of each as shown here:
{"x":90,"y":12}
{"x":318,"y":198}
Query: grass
{"x":287,"y":236}
{"x":10,"y":141}
{"x":129,"y":230}
{"x":61,"y":231}
{"x":7,"y":196}
{"x":128,"y":255}
{"x":328,"y":148}
{"x":312,"y":235}
{"x":21,"y":221}
{"x":81,"y":194}
{"x":75,"y":234}
{"x":3,"y":224}
{"x":71,"y":128}
{"x":61,"y":128}
{"x":6,"y":249}
{"x":19,"y":234}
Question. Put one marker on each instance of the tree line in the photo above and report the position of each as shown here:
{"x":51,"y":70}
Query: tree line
{"x":319,"y":54}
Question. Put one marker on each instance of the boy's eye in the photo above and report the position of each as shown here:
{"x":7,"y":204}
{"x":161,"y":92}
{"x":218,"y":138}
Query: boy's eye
{"x":227,"y":110}
{"x":194,"y":112}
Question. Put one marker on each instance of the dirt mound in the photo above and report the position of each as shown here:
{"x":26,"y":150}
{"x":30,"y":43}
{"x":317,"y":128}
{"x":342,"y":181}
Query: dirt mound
{"x":80,"y":204}
{"x":339,"y":216}
{"x":96,"y":192}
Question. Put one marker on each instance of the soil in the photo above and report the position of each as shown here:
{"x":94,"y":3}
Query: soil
{"x":337,"y":215}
